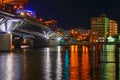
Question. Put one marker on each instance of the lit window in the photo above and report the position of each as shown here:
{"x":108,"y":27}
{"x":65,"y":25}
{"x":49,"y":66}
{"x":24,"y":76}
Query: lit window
{"x":93,"y":32}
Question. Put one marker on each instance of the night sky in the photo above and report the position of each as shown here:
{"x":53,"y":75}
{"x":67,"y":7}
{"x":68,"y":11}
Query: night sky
{"x":75,"y":13}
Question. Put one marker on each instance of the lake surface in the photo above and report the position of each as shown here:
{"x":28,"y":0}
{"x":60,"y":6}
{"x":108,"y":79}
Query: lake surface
{"x":61,"y":63}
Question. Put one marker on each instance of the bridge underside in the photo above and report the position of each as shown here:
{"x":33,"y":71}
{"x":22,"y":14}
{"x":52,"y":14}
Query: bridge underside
{"x":25,"y":28}
{"x":33,"y":31}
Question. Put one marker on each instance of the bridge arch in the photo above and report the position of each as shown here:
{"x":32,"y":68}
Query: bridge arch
{"x":52,"y":35}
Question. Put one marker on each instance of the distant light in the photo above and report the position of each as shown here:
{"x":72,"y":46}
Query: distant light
{"x":30,"y":13}
{"x":15,"y":7}
{"x":9,"y":32}
{"x":41,"y":19}
{"x":62,"y":40}
{"x":19,"y":11}
{"x":47,"y":37}
{"x":66,"y":34}
{"x":20,"y":7}
{"x":22,"y":13}
{"x":17,"y":37}
{"x":110,"y":39}
{"x":58,"y":38}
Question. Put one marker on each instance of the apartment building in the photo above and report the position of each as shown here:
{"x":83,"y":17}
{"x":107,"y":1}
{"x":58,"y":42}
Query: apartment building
{"x":101,"y":28}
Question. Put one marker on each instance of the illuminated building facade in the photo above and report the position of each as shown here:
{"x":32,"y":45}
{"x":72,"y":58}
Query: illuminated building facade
{"x":16,"y":4}
{"x":76,"y":34}
{"x":101,"y":28}
{"x":18,"y":7}
{"x":112,"y":30}
{"x":83,"y":34}
{"x":13,"y":1}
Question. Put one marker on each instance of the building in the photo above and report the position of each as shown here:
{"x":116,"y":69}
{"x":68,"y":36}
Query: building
{"x":83,"y":34}
{"x":101,"y":28}
{"x":79,"y":34}
{"x":2,"y":2}
{"x":14,"y":4}
{"x":112,"y":30}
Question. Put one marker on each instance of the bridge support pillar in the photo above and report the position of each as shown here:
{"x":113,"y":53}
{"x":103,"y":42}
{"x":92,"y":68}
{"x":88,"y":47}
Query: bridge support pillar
{"x":53,"y":42}
{"x":5,"y":42}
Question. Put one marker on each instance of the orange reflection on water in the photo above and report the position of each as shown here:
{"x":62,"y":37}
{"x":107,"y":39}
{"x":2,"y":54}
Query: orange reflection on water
{"x":85,"y":64}
{"x":74,"y":63}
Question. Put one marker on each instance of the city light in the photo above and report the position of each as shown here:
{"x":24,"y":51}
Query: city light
{"x":58,"y":38}
{"x":9,"y":32}
{"x":42,"y":50}
{"x":30,"y":13}
{"x":26,"y":12}
{"x":110,"y":39}
{"x":22,"y":14}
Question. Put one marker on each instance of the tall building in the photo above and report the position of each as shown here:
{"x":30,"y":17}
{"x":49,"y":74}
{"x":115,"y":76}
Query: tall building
{"x":99,"y":28}
{"x":112,"y":30}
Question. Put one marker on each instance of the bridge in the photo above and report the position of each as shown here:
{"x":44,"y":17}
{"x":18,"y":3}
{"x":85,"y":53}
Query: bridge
{"x":23,"y":25}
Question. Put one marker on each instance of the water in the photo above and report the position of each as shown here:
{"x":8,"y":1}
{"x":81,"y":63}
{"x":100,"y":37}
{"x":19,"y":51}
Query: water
{"x":60,"y":63}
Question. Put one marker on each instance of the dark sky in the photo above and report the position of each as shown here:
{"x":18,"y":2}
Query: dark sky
{"x":72,"y":13}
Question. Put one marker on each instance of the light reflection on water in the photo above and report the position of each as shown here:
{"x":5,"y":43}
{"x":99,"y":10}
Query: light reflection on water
{"x":74,"y":63}
{"x":47,"y":65}
{"x":59,"y":63}
{"x":85,"y":64}
{"x":108,"y":65}
{"x":9,"y":67}
{"x":119,"y":65}
{"x":66,"y":65}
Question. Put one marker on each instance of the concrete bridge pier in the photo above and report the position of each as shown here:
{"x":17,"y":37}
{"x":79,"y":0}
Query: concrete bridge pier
{"x":5,"y":41}
{"x":54,"y":42}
